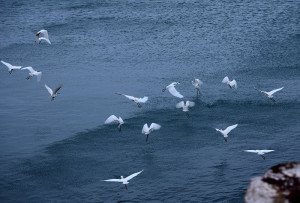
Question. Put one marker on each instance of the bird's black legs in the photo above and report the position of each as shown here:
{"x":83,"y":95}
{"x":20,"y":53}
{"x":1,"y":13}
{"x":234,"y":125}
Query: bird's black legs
{"x":225,"y":139}
{"x":273,"y":99}
{"x":187,"y":115}
{"x":198,"y":92}
{"x":147,"y":138}
{"x":10,"y":71}
{"x":138,"y":104}
{"x":28,"y":77}
{"x":52,"y":98}
{"x":230,"y":87}
{"x":263,"y":157}
{"x":119,"y":128}
{"x":126,"y":187}
{"x":163,"y":90}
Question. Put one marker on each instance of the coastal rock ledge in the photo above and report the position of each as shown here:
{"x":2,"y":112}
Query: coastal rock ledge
{"x":280,"y":184}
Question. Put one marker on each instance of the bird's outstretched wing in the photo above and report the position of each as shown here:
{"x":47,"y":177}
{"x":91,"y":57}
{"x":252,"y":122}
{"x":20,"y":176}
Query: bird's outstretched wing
{"x":113,"y":180}
{"x":11,"y":66}
{"x":49,"y":89}
{"x":133,"y":175}
{"x":266,"y":151}
{"x":111,"y":119}
{"x":145,"y":128}
{"x":174,"y":92}
{"x":47,"y":40}
{"x":142,"y":100}
{"x":218,"y":130}
{"x":56,"y":89}
{"x":180,"y":104}
{"x":276,"y":90}
{"x":225,"y":80}
{"x":7,"y":64}
{"x":253,"y":151}
{"x":129,"y":97}
{"x":261,"y":91}
{"x":190,"y":104}
{"x":199,"y":81}
{"x":155,"y":126}
{"x":31,"y":70}
{"x":230,"y":128}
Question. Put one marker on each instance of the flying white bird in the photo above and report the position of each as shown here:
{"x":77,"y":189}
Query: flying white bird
{"x":114,"y":119}
{"x":270,"y":94}
{"x":227,"y":130}
{"x":260,"y":152}
{"x":45,"y":36}
{"x":53,"y":93}
{"x":33,"y":72}
{"x":136,"y":100}
{"x":124,"y":181}
{"x":172,"y":90}
{"x":230,"y":83}
{"x":185,"y":107}
{"x":10,"y":67}
{"x":197,"y":85}
{"x":146,"y":130}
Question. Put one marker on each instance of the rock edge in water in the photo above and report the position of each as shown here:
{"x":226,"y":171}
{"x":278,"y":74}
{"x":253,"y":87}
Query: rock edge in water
{"x":281,"y":183}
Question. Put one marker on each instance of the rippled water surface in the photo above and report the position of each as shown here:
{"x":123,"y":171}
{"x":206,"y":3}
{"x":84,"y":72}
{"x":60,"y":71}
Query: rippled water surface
{"x":59,"y":151}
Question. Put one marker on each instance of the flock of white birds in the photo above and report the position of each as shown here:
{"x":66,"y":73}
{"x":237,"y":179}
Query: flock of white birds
{"x":154,"y":126}
{"x":32,"y":72}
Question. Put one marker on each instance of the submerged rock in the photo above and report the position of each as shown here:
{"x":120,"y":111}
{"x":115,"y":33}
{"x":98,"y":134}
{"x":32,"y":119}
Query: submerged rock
{"x":281,"y":183}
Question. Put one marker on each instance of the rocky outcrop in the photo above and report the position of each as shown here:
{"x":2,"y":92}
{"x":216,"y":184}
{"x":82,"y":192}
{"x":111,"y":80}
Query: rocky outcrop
{"x":280,"y":184}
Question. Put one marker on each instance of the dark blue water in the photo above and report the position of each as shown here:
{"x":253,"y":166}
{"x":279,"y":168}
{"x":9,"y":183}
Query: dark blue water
{"x":59,"y":151}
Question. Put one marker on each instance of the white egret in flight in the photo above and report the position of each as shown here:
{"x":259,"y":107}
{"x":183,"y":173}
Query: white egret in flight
{"x":114,"y":119}
{"x":197,"y":83}
{"x":53,"y":93}
{"x":123,"y":180}
{"x":135,"y":99}
{"x":185,"y":107}
{"x":172,"y":90}
{"x":260,"y":152}
{"x":33,"y":72}
{"x":45,"y":36}
{"x":270,"y":94}
{"x":227,"y":130}
{"x":147,"y":130}
{"x":10,"y":67}
{"x":229,"y":83}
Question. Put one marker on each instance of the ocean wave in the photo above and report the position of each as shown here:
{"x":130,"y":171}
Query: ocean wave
{"x":246,"y":103}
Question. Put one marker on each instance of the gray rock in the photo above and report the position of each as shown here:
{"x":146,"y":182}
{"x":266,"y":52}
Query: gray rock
{"x":281,"y":183}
